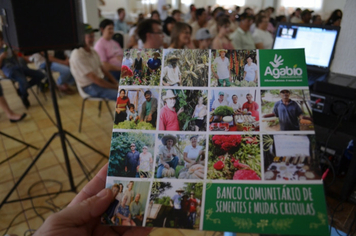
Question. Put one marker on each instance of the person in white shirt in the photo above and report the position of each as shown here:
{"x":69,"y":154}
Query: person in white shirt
{"x":192,"y":152}
{"x":127,"y":60}
{"x":234,"y":104}
{"x":223,"y":73}
{"x":162,"y":8}
{"x":172,"y":73}
{"x":262,"y":38}
{"x":220,"y":101}
{"x":250,"y":70}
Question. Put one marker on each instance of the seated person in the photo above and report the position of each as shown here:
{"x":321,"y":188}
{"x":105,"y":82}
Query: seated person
{"x":135,"y":210}
{"x":17,"y":71}
{"x":89,"y":72}
{"x":57,"y":65}
{"x":109,"y":50}
{"x":193,"y":153}
{"x":12,"y":116}
{"x":168,"y":157}
{"x":123,"y":213}
{"x":132,"y":114}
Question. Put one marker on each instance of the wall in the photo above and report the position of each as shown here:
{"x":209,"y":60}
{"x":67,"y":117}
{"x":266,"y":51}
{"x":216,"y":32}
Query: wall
{"x":344,"y":60}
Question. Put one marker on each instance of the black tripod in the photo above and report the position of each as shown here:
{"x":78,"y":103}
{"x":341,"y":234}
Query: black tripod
{"x":27,"y":145}
{"x":62,"y":135}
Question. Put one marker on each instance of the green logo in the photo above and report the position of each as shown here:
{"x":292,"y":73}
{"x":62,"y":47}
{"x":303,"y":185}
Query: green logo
{"x":283,"y":67}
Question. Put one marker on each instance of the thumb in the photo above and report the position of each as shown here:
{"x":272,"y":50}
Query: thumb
{"x":86,"y":210}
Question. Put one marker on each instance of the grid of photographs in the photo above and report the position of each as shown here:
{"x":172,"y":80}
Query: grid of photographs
{"x":187,"y":118}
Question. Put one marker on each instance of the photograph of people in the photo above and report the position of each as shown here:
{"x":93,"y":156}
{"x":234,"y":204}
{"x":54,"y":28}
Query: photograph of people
{"x":131,"y":113}
{"x":235,"y":105}
{"x":167,"y":153}
{"x":138,"y":65}
{"x":132,"y":161}
{"x":131,"y":155}
{"x":141,"y":67}
{"x":146,"y":162}
{"x":175,"y":205}
{"x":171,"y":74}
{"x":122,"y":104}
{"x":188,"y":68}
{"x":129,"y":209}
{"x":190,"y":104}
{"x":184,"y":155}
{"x":228,"y":114}
{"x":251,"y":106}
{"x":290,"y":157}
{"x":199,"y":113}
{"x":222,"y":73}
{"x":149,"y":109}
{"x":154,"y":63}
{"x":290,"y":112}
{"x":250,"y":70}
{"x":168,"y":114}
{"x":127,"y":61}
{"x":137,"y":109}
{"x":239,"y":68}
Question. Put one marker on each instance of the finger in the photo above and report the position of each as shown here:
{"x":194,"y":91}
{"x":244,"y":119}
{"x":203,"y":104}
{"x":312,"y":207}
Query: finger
{"x":93,"y":187}
{"x":83,"y":212}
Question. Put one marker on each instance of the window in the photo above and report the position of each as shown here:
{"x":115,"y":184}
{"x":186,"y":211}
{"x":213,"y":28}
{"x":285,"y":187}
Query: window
{"x":229,"y":2}
{"x":303,"y":4}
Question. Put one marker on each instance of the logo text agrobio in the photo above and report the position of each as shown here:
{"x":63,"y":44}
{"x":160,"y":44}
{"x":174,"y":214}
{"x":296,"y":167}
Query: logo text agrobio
{"x":277,"y":72}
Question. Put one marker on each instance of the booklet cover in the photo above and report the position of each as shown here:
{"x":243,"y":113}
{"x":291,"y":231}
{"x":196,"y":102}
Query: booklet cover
{"x":217,"y":140}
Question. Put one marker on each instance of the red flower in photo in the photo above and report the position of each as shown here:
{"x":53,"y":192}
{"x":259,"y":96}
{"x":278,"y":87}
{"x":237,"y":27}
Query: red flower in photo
{"x":219,"y":165}
{"x":246,"y":175}
{"x":226,"y":142}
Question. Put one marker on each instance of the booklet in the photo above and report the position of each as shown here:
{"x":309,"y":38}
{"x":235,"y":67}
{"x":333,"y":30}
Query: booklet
{"x":217,"y":140}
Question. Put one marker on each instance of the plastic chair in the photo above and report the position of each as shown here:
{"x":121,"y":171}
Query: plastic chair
{"x":86,"y":97}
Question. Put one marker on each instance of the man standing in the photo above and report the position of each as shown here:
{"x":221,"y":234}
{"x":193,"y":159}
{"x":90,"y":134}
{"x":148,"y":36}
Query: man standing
{"x":235,"y":105}
{"x":220,"y":101}
{"x":167,"y":154}
{"x":109,"y":50}
{"x":177,"y":207}
{"x":223,"y":73}
{"x":251,"y":106}
{"x":288,"y":112}
{"x":135,"y":210}
{"x":169,"y":116}
{"x":88,"y":71}
{"x":153,"y":64}
{"x":120,"y":23}
{"x":127,"y":60}
{"x":172,"y":73}
{"x":149,"y":109}
{"x":138,"y":65}
{"x":241,"y":38}
{"x":192,"y":210}
{"x":151,"y":34}
{"x":132,"y":161}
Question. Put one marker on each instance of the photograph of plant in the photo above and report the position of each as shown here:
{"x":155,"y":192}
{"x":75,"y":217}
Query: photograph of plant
{"x":193,"y":67}
{"x":141,"y":67}
{"x":183,"y":110}
{"x":175,"y":205}
{"x":276,"y":101}
{"x":180,"y":156}
{"x":234,"y":157}
{"x":131,"y":155}
{"x":236,"y":63}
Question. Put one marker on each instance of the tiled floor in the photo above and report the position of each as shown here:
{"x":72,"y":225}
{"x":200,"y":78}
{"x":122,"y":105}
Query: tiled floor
{"x":49,"y":173}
